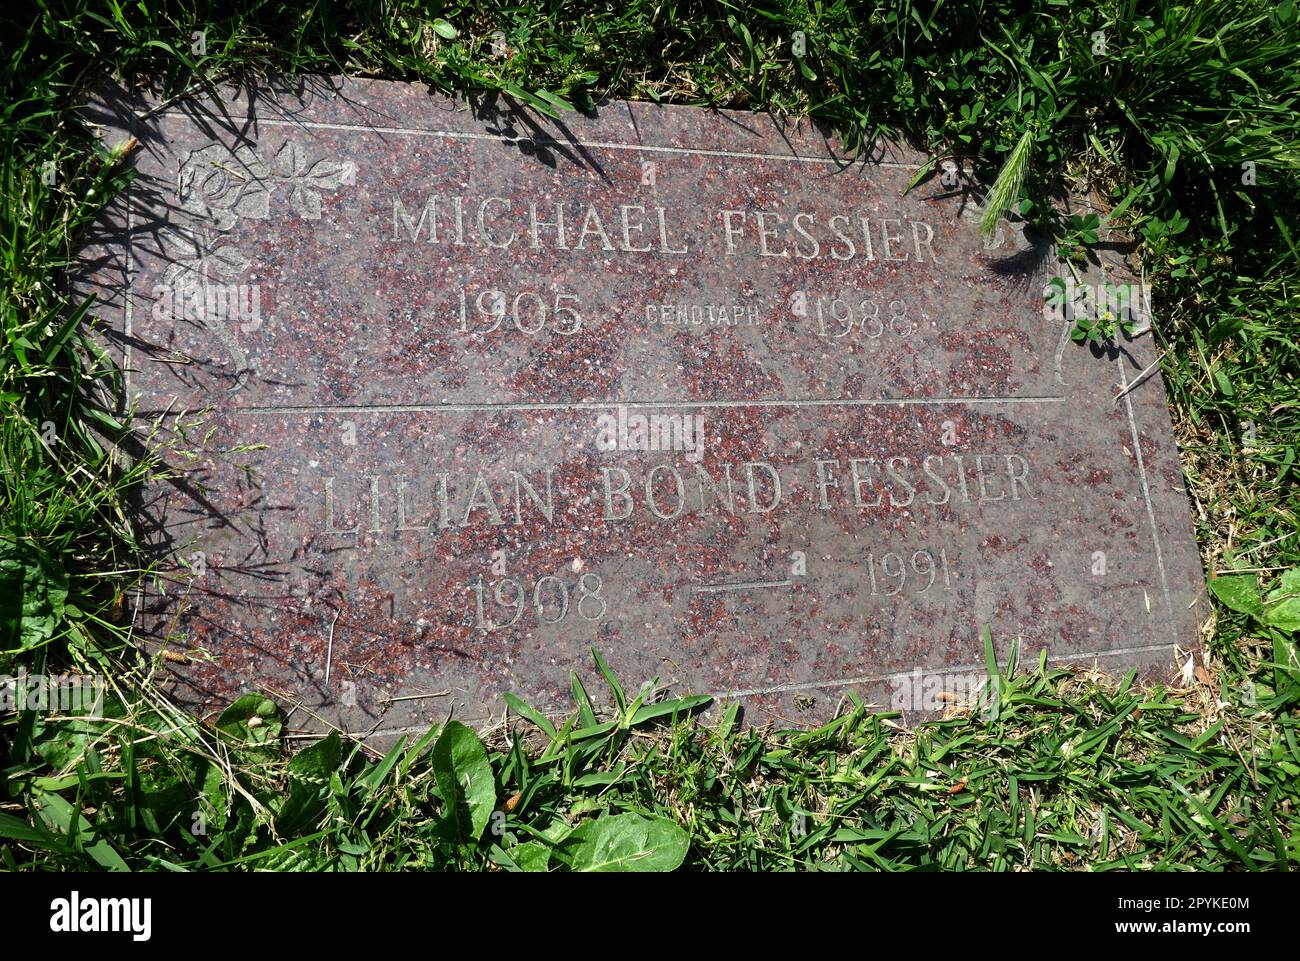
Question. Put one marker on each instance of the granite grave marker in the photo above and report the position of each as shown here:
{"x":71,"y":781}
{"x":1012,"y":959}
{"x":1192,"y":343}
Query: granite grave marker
{"x":454,"y":392}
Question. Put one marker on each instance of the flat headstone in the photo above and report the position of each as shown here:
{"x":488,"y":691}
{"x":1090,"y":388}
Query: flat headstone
{"x":405,"y":354}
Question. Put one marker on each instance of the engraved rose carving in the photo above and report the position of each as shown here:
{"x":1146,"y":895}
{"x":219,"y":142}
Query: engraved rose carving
{"x":218,"y":185}
{"x":222,"y":185}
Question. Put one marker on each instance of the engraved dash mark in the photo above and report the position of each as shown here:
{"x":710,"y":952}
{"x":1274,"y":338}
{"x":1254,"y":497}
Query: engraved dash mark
{"x":737,"y":586}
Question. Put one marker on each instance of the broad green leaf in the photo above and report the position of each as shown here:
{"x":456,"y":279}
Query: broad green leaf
{"x":33,"y":590}
{"x":63,"y":743}
{"x":1237,"y":591}
{"x":1283,"y":608}
{"x":624,"y":842}
{"x":317,"y":762}
{"x":532,"y":855}
{"x":309,"y":778}
{"x":106,"y":856}
{"x":465,"y":780}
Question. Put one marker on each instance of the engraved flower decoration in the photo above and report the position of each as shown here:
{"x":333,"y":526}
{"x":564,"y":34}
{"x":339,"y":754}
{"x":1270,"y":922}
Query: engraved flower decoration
{"x":219,"y":185}
{"x":196,"y":258}
{"x":222,"y":185}
{"x":308,"y":181}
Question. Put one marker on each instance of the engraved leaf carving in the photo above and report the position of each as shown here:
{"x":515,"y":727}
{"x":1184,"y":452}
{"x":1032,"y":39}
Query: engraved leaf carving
{"x":255,"y":204}
{"x":252,"y":161}
{"x":324,"y":175}
{"x":227,"y":262}
{"x":177,"y":273}
{"x":184,"y":253}
{"x":331,"y":174}
{"x":305,"y":202}
{"x":291,"y":161}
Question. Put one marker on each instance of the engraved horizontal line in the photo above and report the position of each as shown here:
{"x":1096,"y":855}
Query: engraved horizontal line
{"x":815,"y":685}
{"x":927,"y":671}
{"x":737,"y":586}
{"x":638,"y":404}
{"x":598,"y":144}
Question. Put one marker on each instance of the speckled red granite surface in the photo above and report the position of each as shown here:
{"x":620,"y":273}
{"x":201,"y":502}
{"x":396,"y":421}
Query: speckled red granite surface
{"x":358,"y":379}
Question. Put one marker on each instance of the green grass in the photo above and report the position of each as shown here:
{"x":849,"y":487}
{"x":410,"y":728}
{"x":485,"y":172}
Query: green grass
{"x":1075,"y":772}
